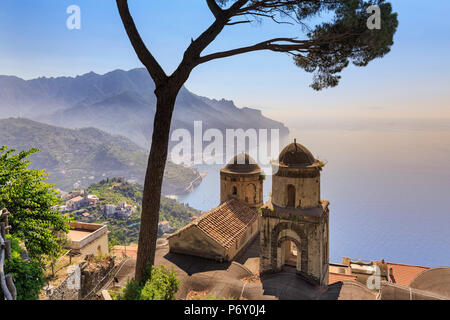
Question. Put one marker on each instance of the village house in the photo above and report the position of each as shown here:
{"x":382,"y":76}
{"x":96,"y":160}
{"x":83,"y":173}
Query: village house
{"x":72,"y":194}
{"x":164,"y":226}
{"x":93,"y":200}
{"x":121,"y":211}
{"x":219,"y":234}
{"x":109,"y":210}
{"x":360,"y":271}
{"x":76,"y":203}
{"x":88,"y":238}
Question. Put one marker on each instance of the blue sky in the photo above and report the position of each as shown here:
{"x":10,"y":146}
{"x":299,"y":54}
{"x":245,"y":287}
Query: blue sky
{"x":412,"y":81}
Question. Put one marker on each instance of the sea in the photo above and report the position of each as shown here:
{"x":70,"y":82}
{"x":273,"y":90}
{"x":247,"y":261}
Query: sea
{"x":388,"y":187}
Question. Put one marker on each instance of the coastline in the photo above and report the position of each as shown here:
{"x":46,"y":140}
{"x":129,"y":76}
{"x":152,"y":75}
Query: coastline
{"x":191,"y":187}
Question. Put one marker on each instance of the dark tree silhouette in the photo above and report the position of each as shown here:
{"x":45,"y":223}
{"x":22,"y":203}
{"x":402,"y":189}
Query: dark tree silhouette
{"x":327,"y":48}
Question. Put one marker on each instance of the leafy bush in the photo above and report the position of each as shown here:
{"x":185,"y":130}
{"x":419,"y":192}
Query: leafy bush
{"x":31,"y":203}
{"x":162,"y":284}
{"x":34,"y":220}
{"x":131,"y":291}
{"x":28,"y":275}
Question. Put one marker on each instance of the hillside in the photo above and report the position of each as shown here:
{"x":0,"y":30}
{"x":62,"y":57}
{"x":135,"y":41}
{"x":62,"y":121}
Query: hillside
{"x":119,"y":102}
{"x":111,"y":191}
{"x":75,"y":158}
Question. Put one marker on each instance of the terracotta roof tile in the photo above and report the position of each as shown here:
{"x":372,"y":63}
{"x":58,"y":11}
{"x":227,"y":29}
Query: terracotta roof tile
{"x":403,"y":274}
{"x":337,"y":277}
{"x":76,"y":199}
{"x":225,"y":223}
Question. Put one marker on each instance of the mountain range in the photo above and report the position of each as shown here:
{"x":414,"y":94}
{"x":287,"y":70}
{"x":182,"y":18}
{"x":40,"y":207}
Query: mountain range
{"x":119,"y":102}
{"x":75,"y":158}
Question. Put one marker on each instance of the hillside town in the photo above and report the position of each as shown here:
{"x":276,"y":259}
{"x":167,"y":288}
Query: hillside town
{"x":79,"y":202}
{"x":87,"y":208}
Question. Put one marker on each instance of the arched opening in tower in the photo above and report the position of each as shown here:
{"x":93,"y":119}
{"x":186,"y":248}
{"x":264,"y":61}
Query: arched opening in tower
{"x":291,"y":196}
{"x":290,"y":253}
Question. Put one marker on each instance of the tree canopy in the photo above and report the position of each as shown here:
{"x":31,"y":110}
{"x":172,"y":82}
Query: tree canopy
{"x":31,"y":203}
{"x":329,"y":46}
{"x":341,"y":36}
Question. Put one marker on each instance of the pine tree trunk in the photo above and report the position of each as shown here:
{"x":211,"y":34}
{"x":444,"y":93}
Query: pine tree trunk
{"x":153,"y":180}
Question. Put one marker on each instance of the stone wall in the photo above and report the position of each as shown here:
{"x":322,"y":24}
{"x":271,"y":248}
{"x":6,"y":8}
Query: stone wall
{"x":97,"y":246}
{"x":68,"y":289}
{"x":307,"y":187}
{"x":94,"y":276}
{"x":308,"y":233}
{"x":241,"y":243}
{"x":86,"y":278}
{"x":249,"y":188}
{"x":192,"y":241}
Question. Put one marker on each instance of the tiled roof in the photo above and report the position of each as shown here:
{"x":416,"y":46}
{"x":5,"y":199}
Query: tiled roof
{"x":336,"y":277}
{"x":225,"y":223}
{"x":76,"y":199}
{"x":403,"y":274}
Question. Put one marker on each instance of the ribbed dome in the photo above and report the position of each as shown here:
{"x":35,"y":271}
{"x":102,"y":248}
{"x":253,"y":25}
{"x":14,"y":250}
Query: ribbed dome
{"x":242,"y":163}
{"x":296,"y":155}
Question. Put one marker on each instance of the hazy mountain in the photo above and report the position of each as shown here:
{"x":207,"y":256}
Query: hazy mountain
{"x":119,"y":102}
{"x":76,"y":158}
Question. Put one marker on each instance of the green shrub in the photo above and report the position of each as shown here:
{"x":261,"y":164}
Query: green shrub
{"x":162,"y":284}
{"x":28,"y":276}
{"x":131,"y":291}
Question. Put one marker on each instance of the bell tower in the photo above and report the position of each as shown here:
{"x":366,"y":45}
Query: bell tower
{"x":294,"y":222}
{"x":242,"y":179}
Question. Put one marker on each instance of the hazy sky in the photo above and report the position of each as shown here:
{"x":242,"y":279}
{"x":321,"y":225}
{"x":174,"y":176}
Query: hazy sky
{"x":412,"y":81}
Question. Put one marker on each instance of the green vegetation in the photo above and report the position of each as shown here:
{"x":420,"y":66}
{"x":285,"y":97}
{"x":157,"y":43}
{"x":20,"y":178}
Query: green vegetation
{"x":114,"y":190}
{"x":33,"y":220}
{"x":162,"y":284}
{"x":178,"y":214}
{"x":322,"y":163}
{"x":211,"y":297}
{"x":28,"y":275}
{"x":262,"y":176}
{"x":30,"y":201}
{"x":177,"y":178}
{"x":75,"y":158}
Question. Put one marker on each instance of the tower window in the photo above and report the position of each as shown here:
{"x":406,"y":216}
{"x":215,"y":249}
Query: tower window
{"x":291,"y":195}
{"x":234,"y":191}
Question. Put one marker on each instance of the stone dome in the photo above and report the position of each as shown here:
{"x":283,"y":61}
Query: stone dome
{"x":296,"y":155}
{"x":242,"y":163}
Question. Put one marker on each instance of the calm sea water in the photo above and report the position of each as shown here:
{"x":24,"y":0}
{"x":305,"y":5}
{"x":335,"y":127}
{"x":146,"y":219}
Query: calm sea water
{"x":389,"y":192}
